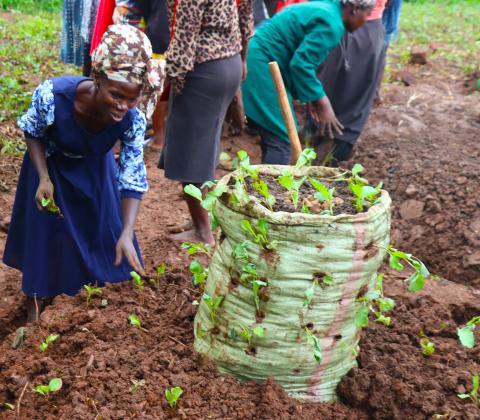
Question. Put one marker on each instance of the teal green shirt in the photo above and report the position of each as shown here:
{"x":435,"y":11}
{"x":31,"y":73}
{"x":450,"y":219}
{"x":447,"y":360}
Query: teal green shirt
{"x":299,"y":39}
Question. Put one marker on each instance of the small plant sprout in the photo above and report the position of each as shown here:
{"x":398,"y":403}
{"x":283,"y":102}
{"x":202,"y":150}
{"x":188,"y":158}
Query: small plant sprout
{"x":261,"y":187}
{"x":428,"y":347}
{"x":292,"y":185}
{"x":136,"y":384}
{"x":259,"y":233}
{"x":137,"y":279}
{"x":210,"y":198}
{"x":256,"y":285}
{"x":49,"y":205}
{"x":240,"y":251}
{"x":248,"y":333}
{"x":364,"y":194}
{"x":172,"y":395}
{"x":213,"y":303}
{"x":50,"y":339}
{"x":323,"y":194}
{"x":199,"y":273}
{"x":54,"y":385}
{"x":309,"y":293}
{"x":315,"y":343}
{"x":374,"y":301}
{"x":135,"y":321}
{"x":306,"y":158}
{"x":466,"y":334}
{"x":249,"y":273}
{"x":416,"y":281}
{"x":198,"y":248}
{"x":159,"y":272}
{"x":91,"y":291}
{"x":473,"y":394}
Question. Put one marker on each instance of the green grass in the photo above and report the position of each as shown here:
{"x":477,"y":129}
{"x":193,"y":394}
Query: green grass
{"x":452,"y":25}
{"x":31,"y":6}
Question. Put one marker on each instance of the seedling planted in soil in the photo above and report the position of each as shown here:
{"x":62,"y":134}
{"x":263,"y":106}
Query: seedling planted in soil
{"x":466,"y":334}
{"x":256,"y":285}
{"x":259,"y":233}
{"x":159,"y":272}
{"x":416,"y":281}
{"x":50,"y":339}
{"x":135,"y":321}
{"x":172,"y":395}
{"x":138,"y":281}
{"x":199,"y":273}
{"x":199,"y":248}
{"x":213,"y":303}
{"x":428,"y":348}
{"x":91,"y":291}
{"x":473,"y":395}
{"x":54,"y":385}
{"x":136,"y":384}
{"x":323,"y":194}
{"x":306,"y":158}
{"x":315,"y":342}
{"x":292,"y":185}
{"x":248,"y":333}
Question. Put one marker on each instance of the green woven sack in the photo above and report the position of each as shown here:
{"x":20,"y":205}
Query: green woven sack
{"x":304,"y":332}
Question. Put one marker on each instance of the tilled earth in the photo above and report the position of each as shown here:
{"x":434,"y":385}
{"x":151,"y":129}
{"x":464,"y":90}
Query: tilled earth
{"x":423,"y":143}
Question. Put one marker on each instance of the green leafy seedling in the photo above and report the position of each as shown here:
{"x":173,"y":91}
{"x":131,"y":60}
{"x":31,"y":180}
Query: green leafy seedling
{"x":259,"y":233}
{"x":256,"y":285}
{"x":261,"y":187}
{"x":199,"y":273}
{"x":292,"y":185}
{"x":91,"y":291}
{"x":249,"y":273}
{"x":248,"y":333}
{"x":137,"y":279}
{"x":54,"y":385}
{"x":466,"y":334}
{"x":473,"y":394}
{"x":49,"y":205}
{"x":240,"y":251}
{"x":428,"y":347}
{"x":159,"y":272}
{"x":323,"y":193}
{"x":136,"y":384}
{"x":306,"y":158}
{"x":211,"y":197}
{"x":416,"y":281}
{"x":309,"y":293}
{"x":213,"y":303}
{"x":135,"y":321}
{"x":50,"y":339}
{"x":364,"y":194}
{"x":197,"y":248}
{"x":172,"y":395}
{"x":315,"y":343}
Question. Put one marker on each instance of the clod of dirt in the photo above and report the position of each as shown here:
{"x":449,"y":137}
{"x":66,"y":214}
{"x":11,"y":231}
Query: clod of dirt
{"x":406,"y":77}
{"x":411,"y":191}
{"x":418,"y":55}
{"x":411,"y":209}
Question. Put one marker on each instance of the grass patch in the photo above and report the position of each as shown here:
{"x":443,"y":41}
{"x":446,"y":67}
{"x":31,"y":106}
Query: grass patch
{"x":451,"y":25}
{"x":31,"y":6}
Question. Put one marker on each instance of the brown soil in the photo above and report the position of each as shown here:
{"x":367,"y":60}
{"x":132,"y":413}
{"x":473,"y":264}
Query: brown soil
{"x":423,"y":142}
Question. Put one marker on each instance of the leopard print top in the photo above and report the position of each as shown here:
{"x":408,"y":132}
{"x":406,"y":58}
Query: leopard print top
{"x":206,"y":30}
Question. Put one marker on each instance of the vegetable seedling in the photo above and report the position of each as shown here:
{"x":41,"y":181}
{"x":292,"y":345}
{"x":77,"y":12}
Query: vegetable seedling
{"x":49,"y":205}
{"x":135,"y":321}
{"x":416,"y":281}
{"x":428,"y":347}
{"x":136,"y":384}
{"x":210,"y":197}
{"x":306,"y":158}
{"x":137,"y":279}
{"x":172,"y":396}
{"x":256,"y":285}
{"x":159,"y":272}
{"x":292,"y":185}
{"x":473,"y":395}
{"x":199,"y":273}
{"x":54,"y":385}
{"x":249,"y":273}
{"x":315,"y":342}
{"x":259,"y":233}
{"x":50,"y":339}
{"x":197,"y":248}
{"x":240,"y":251}
{"x":248,"y":333}
{"x":323,"y":194}
{"x":91,"y":291}
{"x":213,"y":303}
{"x":466,"y":334}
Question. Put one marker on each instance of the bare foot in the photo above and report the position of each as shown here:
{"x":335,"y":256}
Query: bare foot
{"x":193,"y":236}
{"x":181,"y":228}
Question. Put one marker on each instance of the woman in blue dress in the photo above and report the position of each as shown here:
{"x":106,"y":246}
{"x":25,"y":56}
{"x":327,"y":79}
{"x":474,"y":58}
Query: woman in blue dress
{"x":70,"y":128}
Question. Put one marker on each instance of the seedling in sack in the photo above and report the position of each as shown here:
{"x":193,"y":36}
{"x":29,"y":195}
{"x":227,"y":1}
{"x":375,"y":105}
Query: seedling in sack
{"x":199,"y":273}
{"x":256,"y":285}
{"x":172,"y":396}
{"x":306,"y":158}
{"x":323,"y":194}
{"x":91,"y":291}
{"x":259,"y":233}
{"x":315,"y":343}
{"x":213,"y":303}
{"x":197,"y":248}
{"x":473,"y":395}
{"x":248,"y":333}
{"x":292,"y":185}
{"x":466,"y":334}
{"x":50,"y":339}
{"x":416,"y":281}
{"x":54,"y":385}
{"x":49,"y":205}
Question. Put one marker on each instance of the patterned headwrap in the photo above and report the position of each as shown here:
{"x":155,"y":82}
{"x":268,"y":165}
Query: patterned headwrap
{"x":125,"y":55}
{"x":364,"y":4}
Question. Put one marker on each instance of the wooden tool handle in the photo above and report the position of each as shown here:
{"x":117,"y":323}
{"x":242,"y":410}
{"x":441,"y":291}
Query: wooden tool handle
{"x":286,"y":111}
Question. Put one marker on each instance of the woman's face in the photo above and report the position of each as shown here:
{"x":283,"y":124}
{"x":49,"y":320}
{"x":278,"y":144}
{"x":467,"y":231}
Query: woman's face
{"x":116,"y":98}
{"x":354,"y":17}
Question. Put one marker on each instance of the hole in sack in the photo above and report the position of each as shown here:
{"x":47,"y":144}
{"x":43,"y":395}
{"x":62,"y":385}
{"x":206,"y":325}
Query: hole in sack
{"x":270,"y":256}
{"x":337,"y":337}
{"x":263,"y":292}
{"x":222,"y":237}
{"x":363,"y":290}
{"x":370,"y":251}
{"x":296,"y":371}
{"x":234,"y":282}
{"x":320,"y":247}
{"x":251,"y":351}
{"x":259,"y":316}
{"x":215,"y":331}
{"x":310,"y":325}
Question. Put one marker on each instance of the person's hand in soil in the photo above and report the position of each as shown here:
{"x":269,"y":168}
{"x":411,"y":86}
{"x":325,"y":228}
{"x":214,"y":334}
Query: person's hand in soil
{"x":44,"y":190}
{"x":323,"y":114}
{"x":125,"y":248}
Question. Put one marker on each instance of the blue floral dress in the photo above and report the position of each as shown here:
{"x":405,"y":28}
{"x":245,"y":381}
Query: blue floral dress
{"x":60,"y":255}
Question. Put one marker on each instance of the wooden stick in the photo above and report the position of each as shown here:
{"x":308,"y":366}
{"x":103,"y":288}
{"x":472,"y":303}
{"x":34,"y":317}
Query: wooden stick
{"x":19,"y":403}
{"x":286,"y":111}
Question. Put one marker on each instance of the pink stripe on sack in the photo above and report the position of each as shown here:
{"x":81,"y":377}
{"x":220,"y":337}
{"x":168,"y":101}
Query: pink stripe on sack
{"x":350,"y":286}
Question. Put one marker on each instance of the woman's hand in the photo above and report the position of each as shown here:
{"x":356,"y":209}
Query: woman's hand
{"x":323,"y":114}
{"x":44,"y":190}
{"x":125,"y":248}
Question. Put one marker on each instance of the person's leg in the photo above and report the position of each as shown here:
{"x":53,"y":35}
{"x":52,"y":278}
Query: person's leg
{"x":342,"y":151}
{"x":275,"y":151}
{"x":202,"y":231}
{"x":158,"y":118}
